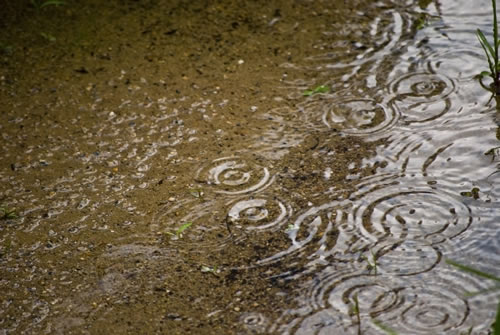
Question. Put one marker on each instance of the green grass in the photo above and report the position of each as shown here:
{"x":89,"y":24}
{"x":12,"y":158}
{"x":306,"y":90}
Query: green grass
{"x":491,"y":52}
{"x":372,"y":265}
{"x":316,"y":90}
{"x":386,"y":329}
{"x":356,"y":311}
{"x":178,"y":233}
{"x":7,"y":213}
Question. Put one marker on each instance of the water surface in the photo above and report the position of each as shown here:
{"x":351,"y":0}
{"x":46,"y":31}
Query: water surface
{"x":170,"y":176}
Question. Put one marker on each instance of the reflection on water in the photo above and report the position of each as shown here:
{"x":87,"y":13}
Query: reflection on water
{"x":294,"y":207}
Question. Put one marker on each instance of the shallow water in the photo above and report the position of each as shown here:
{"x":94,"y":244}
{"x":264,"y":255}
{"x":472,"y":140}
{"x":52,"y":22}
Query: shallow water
{"x":170,"y":176}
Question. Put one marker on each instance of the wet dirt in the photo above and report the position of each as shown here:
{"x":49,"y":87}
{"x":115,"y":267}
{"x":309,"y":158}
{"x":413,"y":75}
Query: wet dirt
{"x":170,"y":176}
{"x":108,"y":110}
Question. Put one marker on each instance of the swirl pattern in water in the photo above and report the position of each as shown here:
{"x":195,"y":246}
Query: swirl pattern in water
{"x":234,"y":175}
{"x":422,"y":97}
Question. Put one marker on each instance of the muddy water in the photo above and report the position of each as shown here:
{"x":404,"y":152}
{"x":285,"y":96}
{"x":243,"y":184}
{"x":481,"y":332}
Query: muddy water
{"x":170,"y":176}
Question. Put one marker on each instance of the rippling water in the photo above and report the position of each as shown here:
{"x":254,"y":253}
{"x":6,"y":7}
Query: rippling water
{"x":414,"y":212}
{"x":353,"y":196}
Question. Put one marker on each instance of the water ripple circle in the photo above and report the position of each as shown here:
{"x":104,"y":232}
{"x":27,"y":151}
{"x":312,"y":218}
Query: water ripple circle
{"x":358,"y":116}
{"x":422,"y":97}
{"x":423,"y":214}
{"x":437,"y":303}
{"x":234,"y":175}
{"x":259,"y":213}
{"x":461,"y":62}
{"x":405,"y":258}
{"x":432,"y":308}
{"x":313,"y":236}
{"x":375,"y":295}
{"x":254,"y":322}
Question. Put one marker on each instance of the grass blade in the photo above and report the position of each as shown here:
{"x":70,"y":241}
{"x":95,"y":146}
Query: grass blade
{"x":487,"y":290}
{"x":181,"y":229}
{"x":386,"y":329}
{"x":496,"y":327}
{"x":472,"y":270}
{"x":485,"y":42}
{"x":318,"y":89}
{"x":488,"y":50}
{"x":495,"y":33}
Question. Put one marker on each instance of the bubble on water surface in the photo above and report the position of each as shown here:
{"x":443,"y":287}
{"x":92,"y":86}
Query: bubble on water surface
{"x":235,"y":175}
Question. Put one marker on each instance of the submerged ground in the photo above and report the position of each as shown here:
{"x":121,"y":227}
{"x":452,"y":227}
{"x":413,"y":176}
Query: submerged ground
{"x":170,"y":176}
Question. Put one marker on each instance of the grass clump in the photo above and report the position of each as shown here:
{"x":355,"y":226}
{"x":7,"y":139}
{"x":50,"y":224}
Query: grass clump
{"x":316,"y":90}
{"x":491,"y":52}
{"x":178,"y":233}
{"x":7,"y":213}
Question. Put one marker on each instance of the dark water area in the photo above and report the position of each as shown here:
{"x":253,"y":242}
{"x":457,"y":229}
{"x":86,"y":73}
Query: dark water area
{"x":168,"y":174}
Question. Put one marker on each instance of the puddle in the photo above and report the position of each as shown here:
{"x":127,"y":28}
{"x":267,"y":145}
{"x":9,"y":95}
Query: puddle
{"x":169,"y":175}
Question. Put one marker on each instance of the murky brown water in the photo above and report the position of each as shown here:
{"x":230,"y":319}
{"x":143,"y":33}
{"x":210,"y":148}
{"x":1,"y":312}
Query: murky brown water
{"x":171,"y":177}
